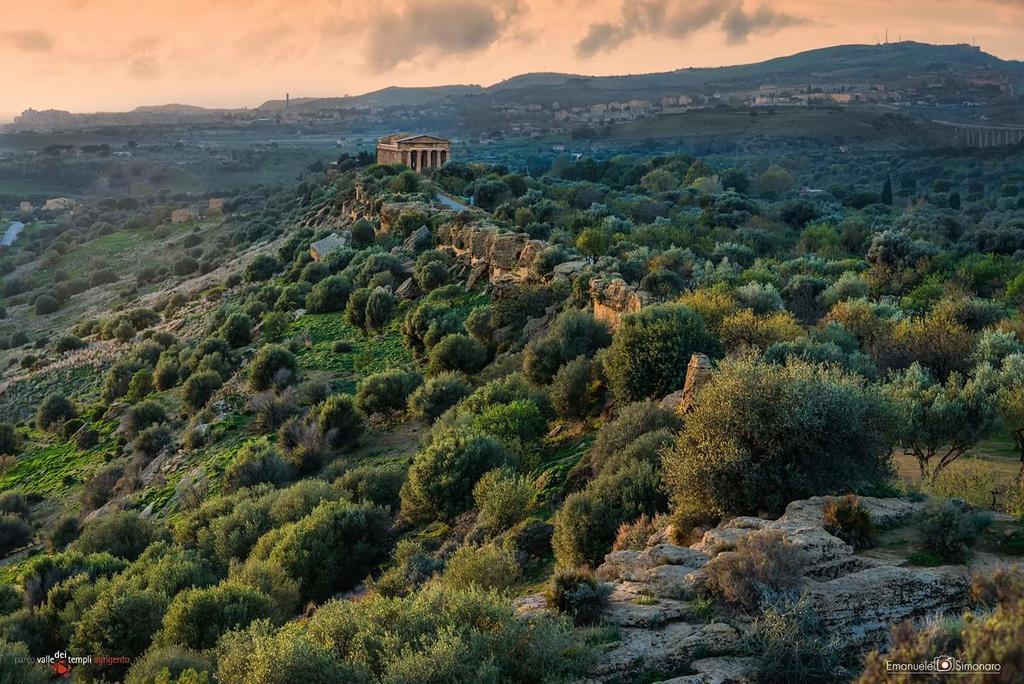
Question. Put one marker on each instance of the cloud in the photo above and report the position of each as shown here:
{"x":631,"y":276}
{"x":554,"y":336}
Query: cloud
{"x":28,"y":41}
{"x":678,"y":19}
{"x":450,"y":27}
{"x":144,"y":66}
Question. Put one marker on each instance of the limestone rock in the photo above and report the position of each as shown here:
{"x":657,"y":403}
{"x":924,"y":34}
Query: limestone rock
{"x":569,"y":267}
{"x":419,"y":240}
{"x":861,"y":606}
{"x":408,"y":289}
{"x":720,"y":670}
{"x":670,"y":647}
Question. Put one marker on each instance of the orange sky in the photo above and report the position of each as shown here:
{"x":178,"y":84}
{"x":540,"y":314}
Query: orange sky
{"x":89,"y":55}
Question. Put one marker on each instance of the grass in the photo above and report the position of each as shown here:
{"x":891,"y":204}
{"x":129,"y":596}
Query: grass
{"x":20,"y":399}
{"x":58,"y":468}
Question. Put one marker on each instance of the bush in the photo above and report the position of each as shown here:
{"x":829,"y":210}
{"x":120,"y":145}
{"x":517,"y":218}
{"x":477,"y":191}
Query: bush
{"x":330,"y":294}
{"x":152,"y":440}
{"x":440,"y":481}
{"x":518,"y":425}
{"x":17,"y":665}
{"x":168,"y":664}
{"x":55,"y":408}
{"x":458,"y":353}
{"x":46,"y":304}
{"x":633,"y":536}
{"x":386,"y":392}
{"x":585,"y":528}
{"x":578,"y":595}
{"x":121,"y":623}
{"x":15,"y":532}
{"x":199,"y":387}
{"x":271,"y":364}
{"x":763,"y":562}
{"x":123,"y":534}
{"x":362,"y":234}
{"x":66,"y":343}
{"x":380,"y":305}
{"x":62,"y":532}
{"x":632,"y":422}
{"x":792,"y":645}
{"x":574,"y":333}
{"x":438,"y":394}
{"x":141,"y":416}
{"x":255,"y":463}
{"x":15,"y":504}
{"x":847,"y":519}
{"x":339,"y":422}
{"x":350,"y":539}
{"x":651,"y":349}
{"x":100,"y":487}
{"x":237,"y":330}
{"x":261,"y":655}
{"x":504,"y":499}
{"x":448,"y":635}
{"x":355,"y":308}
{"x":478,"y":325}
{"x":574,"y":393}
{"x":10,"y":440}
{"x":262,"y":268}
{"x":197,"y":618}
{"x":948,"y":531}
{"x":487,"y":567}
{"x":760,"y":436}
{"x":377,"y":484}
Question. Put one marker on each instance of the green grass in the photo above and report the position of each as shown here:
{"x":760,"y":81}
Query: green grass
{"x":80,"y":383}
{"x":58,"y":468}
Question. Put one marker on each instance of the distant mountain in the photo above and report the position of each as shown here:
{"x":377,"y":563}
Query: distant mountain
{"x":172,"y":109}
{"x":843,"y":63}
{"x":386,"y":97}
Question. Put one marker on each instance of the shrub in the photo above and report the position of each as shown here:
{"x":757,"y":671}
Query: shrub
{"x":268,"y":364}
{"x":948,"y":531}
{"x":458,"y":353}
{"x":123,"y":534}
{"x":55,"y":408}
{"x":504,"y":499}
{"x":62,"y":532}
{"x":760,"y":436}
{"x":197,"y":618}
{"x":651,"y":349}
{"x":168,"y":664}
{"x":847,"y":519}
{"x":438,"y":394}
{"x":350,"y":539}
{"x":487,"y":567}
{"x":152,"y":440}
{"x":46,"y":304}
{"x":10,"y":440}
{"x":271,"y":409}
{"x":355,"y":308}
{"x":143,"y":415}
{"x":440,"y":481}
{"x":255,"y":463}
{"x":574,"y":333}
{"x":261,"y":655}
{"x":262,"y":268}
{"x":330,"y":294}
{"x":100,"y":487}
{"x":386,"y":392}
{"x":478,"y":325}
{"x":632,"y":422}
{"x":237,"y":330}
{"x":578,"y":595}
{"x":585,"y":528}
{"x":380,"y":305}
{"x":67,"y":343}
{"x":573,"y":390}
{"x":15,"y":504}
{"x":427,"y":324}
{"x":121,"y":623}
{"x":792,"y":645}
{"x":15,"y":532}
{"x":449,"y":635}
{"x":518,"y":425}
{"x":633,"y":536}
{"x":362,"y":234}
{"x":764,"y":561}
{"x":199,"y":387}
{"x":378,"y":484}
{"x":339,"y":422}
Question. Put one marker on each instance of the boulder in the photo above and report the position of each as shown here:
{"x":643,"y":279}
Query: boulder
{"x":419,"y":240}
{"x":408,"y":289}
{"x":720,"y":670}
{"x":669,"y":648}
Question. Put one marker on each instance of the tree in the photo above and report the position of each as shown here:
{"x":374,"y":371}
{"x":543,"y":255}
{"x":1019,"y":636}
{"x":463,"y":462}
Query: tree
{"x":1010,"y":402}
{"x":237,"y":330}
{"x":197,"y":618}
{"x":760,"y":436}
{"x":943,"y":419}
{"x":650,"y":351}
{"x":459,"y":353}
{"x":886,"y":197}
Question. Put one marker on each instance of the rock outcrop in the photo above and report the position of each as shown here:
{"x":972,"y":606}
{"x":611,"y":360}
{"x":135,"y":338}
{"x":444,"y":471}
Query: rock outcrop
{"x":613,"y":299}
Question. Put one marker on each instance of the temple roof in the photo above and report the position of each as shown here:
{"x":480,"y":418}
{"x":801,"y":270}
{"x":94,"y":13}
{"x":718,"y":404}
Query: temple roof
{"x":411,"y":137}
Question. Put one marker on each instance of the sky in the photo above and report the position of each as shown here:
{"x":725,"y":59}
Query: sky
{"x":112,"y":55}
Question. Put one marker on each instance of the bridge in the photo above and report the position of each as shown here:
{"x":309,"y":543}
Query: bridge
{"x":981,"y":135}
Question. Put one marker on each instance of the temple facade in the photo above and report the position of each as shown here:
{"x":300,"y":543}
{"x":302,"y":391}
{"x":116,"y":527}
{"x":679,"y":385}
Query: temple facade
{"x":418,"y":152}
